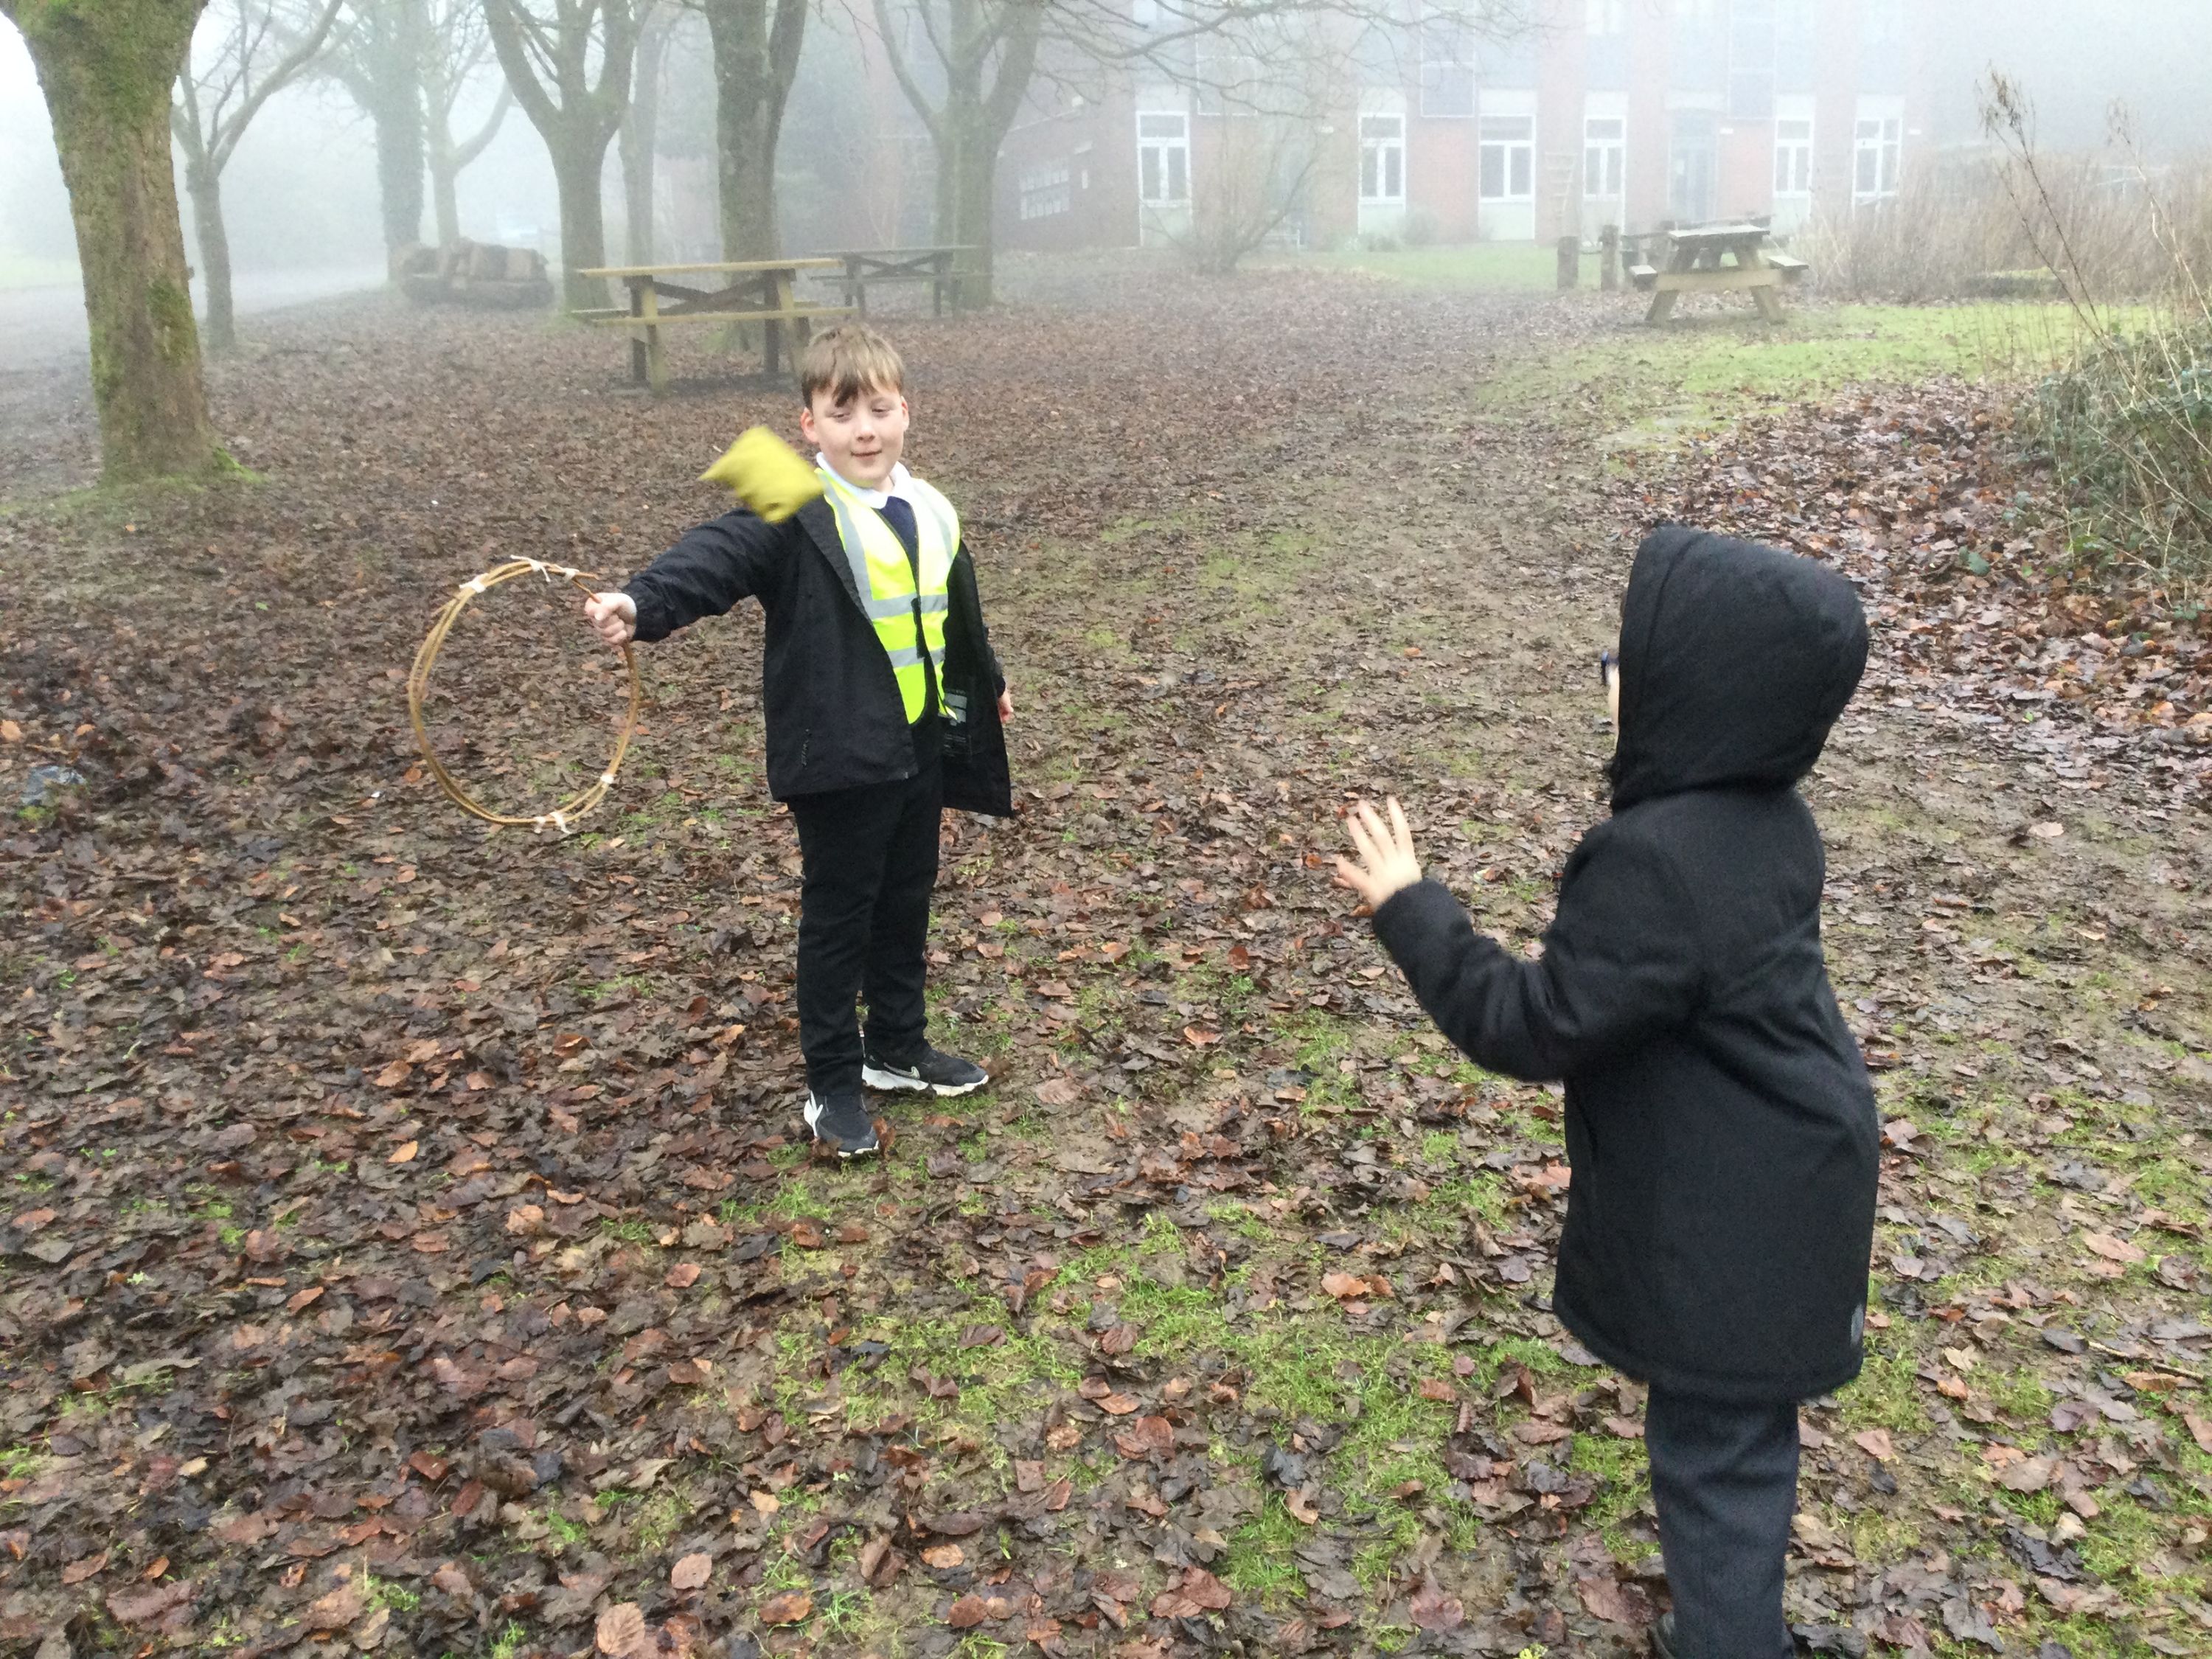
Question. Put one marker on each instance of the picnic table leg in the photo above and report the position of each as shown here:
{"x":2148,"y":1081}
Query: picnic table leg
{"x":637,"y":371}
{"x":1768,"y":300}
{"x":656,"y":361}
{"x":1662,"y":303}
{"x":780,"y":298}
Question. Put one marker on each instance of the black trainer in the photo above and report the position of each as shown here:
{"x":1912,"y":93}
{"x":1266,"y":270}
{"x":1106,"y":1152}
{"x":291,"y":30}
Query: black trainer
{"x":1662,"y":1637}
{"x":936,"y":1073}
{"x":840,"y":1120}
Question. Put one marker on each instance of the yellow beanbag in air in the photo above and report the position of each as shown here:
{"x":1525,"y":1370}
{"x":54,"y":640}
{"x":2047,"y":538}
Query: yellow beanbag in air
{"x":766,"y":474}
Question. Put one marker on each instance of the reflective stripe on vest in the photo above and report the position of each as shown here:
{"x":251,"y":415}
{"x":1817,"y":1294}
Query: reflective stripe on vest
{"x":885,"y":580}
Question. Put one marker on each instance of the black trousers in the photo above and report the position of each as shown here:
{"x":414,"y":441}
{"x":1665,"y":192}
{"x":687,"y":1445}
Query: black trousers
{"x":1725,"y":1481}
{"x":869,"y":861}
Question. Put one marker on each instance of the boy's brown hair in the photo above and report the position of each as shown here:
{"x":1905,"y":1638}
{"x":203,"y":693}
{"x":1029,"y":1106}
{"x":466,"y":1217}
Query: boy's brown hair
{"x":847,"y":361}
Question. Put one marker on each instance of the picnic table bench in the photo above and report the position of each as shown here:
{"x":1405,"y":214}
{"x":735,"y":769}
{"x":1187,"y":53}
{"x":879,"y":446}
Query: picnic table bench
{"x":934,"y":265}
{"x":733,"y":293}
{"x":1694,"y":266}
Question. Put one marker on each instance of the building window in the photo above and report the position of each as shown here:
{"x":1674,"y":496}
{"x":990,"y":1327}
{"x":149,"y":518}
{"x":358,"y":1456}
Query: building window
{"x":1163,"y":156}
{"x":1608,"y":17}
{"x":1381,"y":159}
{"x":1751,"y":60}
{"x":1793,"y":158}
{"x":1044,"y":191}
{"x":1509,"y":158}
{"x":1878,"y":151}
{"x":1230,"y":80}
{"x":1881,"y":22}
{"x":1447,"y":65}
{"x":1605,"y":156}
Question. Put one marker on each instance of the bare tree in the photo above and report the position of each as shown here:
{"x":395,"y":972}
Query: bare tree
{"x":987,"y":50}
{"x":640,"y":128}
{"x":257,"y":49}
{"x":755,"y":48}
{"x":107,"y":71}
{"x":378,"y":59}
{"x":987,"y":53}
{"x":1255,"y":181}
{"x":455,"y":46}
{"x":569,"y":64}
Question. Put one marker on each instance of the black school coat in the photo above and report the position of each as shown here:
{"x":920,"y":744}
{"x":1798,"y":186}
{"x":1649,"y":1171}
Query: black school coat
{"x":1720,"y":1126}
{"x":830,"y":698}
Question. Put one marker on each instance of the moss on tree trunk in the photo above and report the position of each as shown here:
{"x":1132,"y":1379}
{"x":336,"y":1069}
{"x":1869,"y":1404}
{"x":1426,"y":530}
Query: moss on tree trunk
{"x":107,"y":67}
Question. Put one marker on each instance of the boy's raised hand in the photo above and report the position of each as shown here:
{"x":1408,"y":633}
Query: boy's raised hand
{"x":613,"y":616}
{"x":1387,"y":863}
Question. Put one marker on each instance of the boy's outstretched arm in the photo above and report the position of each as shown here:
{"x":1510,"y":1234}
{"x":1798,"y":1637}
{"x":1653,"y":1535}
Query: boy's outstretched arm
{"x":724,"y":561}
{"x":1621,"y":959}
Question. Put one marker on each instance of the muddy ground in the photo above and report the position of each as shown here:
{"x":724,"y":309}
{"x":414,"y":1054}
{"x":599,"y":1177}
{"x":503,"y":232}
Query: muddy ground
{"x":411,"y":1244}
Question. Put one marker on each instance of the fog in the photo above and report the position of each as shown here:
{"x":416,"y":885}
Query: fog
{"x":301,"y":194}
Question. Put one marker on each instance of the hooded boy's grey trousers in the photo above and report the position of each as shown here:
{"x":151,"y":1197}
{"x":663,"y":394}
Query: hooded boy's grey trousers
{"x":1725,"y":1481}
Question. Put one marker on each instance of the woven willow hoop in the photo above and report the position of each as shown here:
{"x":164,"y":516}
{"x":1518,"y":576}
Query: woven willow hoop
{"x":418,"y":685}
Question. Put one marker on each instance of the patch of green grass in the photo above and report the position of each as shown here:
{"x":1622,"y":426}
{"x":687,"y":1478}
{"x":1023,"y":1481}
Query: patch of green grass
{"x":509,"y":1642}
{"x":2121,"y":1539}
{"x":1520,"y":266}
{"x":32,"y":271}
{"x":569,"y":1533}
{"x":1626,"y":1473}
{"x":1259,"y":1562}
{"x":1656,"y":387}
{"x":1887,"y":1394}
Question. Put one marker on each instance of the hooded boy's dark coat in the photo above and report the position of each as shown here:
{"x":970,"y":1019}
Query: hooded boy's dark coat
{"x":829,"y":697}
{"x":1720,"y":1126}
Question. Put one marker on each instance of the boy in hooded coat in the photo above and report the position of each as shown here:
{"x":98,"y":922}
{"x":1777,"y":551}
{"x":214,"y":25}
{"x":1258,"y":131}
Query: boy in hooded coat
{"x":1720,"y":1124}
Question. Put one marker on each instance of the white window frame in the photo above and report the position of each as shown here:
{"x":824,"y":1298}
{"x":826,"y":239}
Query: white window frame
{"x":1382,"y":155}
{"x":1605,"y":158}
{"x":1448,"y":78}
{"x":1163,"y":145}
{"x":1516,"y":151}
{"x":1793,"y":149}
{"x":1877,"y":148}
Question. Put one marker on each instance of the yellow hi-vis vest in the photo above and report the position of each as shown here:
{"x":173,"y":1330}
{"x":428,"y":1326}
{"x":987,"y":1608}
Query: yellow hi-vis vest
{"x":909,"y":617}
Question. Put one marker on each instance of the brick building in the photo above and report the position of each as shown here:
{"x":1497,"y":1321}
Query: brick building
{"x":1632,"y":112}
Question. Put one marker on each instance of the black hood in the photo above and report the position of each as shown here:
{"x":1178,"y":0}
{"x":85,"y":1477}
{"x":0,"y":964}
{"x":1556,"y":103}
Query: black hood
{"x":1735,"y":660}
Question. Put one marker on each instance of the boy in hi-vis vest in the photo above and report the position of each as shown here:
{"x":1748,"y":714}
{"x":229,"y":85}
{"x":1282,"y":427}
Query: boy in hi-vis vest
{"x":883,"y":704}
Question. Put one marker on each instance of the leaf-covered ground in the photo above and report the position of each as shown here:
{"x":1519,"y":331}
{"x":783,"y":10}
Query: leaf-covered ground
{"x":409,"y":1243}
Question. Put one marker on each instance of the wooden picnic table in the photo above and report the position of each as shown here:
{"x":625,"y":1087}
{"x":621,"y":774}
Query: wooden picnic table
{"x":934,"y":265}
{"x":730,"y":293}
{"x":1694,"y":266}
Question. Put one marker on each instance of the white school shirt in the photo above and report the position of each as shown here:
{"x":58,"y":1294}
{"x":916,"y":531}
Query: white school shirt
{"x":898,"y":483}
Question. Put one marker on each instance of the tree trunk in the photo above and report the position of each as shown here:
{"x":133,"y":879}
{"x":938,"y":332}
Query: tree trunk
{"x":445,"y":206}
{"x":968,"y":168}
{"x":583,"y":222}
{"x":397,"y":115}
{"x":755,"y":60}
{"x":204,"y":186}
{"x":107,"y":71}
{"x":641,"y":131}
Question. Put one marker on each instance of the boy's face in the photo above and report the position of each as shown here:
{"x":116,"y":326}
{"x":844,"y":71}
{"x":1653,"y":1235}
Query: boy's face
{"x":862,"y":437}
